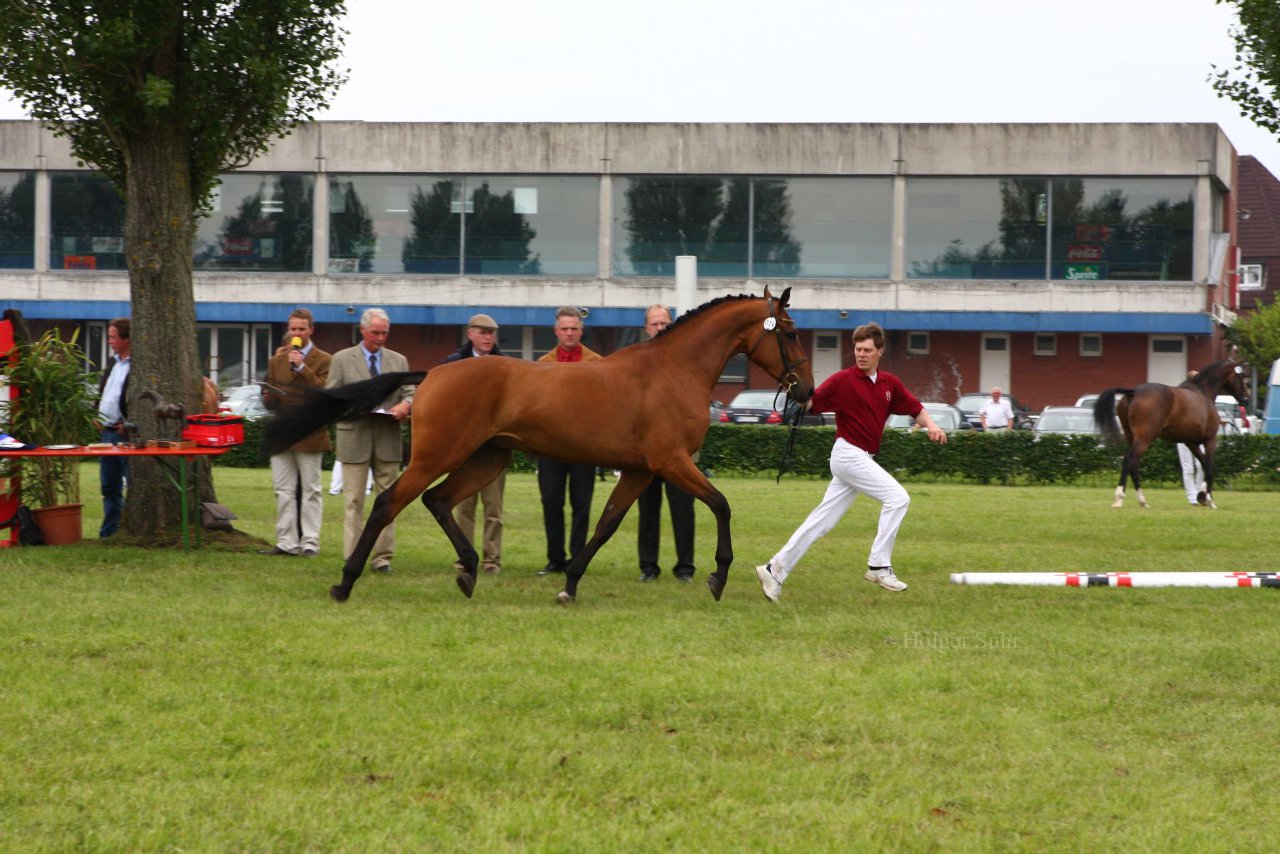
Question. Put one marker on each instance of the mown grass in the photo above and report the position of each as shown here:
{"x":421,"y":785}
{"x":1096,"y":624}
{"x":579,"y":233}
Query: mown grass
{"x":155,"y":701}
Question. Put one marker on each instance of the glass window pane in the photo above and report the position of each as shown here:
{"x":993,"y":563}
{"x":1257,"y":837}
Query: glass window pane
{"x":394,"y":224}
{"x":529,"y":226}
{"x":17,"y":220}
{"x":258,"y":221}
{"x":1122,"y":228}
{"x":86,"y":229}
{"x":822,"y":228}
{"x":230,"y":343}
{"x":656,"y":219}
{"x":976,"y":228}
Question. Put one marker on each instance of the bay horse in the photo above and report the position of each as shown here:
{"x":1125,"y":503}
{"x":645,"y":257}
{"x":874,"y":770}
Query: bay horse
{"x":641,"y":411}
{"x":1185,"y":413}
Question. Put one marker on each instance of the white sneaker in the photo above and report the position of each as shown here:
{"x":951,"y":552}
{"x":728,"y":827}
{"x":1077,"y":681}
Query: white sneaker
{"x":772,"y":587}
{"x":885,"y":578}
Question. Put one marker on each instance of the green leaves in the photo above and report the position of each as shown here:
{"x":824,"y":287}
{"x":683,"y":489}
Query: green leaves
{"x":55,"y":405}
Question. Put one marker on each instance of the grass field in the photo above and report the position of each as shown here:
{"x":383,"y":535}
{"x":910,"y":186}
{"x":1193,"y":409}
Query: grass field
{"x":218,"y":701}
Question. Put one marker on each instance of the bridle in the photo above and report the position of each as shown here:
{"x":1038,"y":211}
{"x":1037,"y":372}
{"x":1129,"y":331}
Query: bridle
{"x":786,"y":381}
{"x":788,"y":378}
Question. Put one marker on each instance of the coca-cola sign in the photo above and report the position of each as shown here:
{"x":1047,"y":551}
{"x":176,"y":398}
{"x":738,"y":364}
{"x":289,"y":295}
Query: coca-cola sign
{"x":1084,"y":252}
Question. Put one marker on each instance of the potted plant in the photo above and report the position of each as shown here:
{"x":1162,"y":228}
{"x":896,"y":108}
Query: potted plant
{"x":54,"y":405}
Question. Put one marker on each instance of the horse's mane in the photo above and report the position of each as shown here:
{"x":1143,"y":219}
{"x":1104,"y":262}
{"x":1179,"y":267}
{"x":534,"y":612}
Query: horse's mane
{"x":706,"y":305}
{"x":1203,"y":376}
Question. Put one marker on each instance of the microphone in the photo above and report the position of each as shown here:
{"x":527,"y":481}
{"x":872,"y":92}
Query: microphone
{"x":295,"y":343}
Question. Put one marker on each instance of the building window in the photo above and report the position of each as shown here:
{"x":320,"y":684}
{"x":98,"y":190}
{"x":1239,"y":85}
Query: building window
{"x":1077,"y":229}
{"x":258,"y":222}
{"x":86,"y":228}
{"x":17,"y":220}
{"x":918,"y":343}
{"x":1090,"y":345}
{"x":1251,"y":277}
{"x":463,"y":225}
{"x":1046,"y":344}
{"x":1122,"y":228}
{"x":746,"y":228}
{"x":976,"y":228}
{"x":1167,"y":345}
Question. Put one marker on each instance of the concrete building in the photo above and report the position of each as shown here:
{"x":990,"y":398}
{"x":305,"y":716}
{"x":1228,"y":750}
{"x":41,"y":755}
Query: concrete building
{"x":1050,"y":259}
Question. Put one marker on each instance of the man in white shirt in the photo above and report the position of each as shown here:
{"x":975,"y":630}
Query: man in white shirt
{"x":113,"y":412}
{"x":996,"y":413}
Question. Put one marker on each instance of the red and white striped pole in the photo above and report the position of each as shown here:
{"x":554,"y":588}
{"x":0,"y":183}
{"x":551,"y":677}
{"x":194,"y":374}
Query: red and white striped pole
{"x":1121,"y":579}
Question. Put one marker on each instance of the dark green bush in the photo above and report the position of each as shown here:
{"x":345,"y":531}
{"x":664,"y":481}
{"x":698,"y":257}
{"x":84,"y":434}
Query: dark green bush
{"x":1017,"y":456}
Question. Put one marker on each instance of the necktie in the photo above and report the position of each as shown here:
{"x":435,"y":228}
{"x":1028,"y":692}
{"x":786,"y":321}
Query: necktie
{"x":373,"y":366}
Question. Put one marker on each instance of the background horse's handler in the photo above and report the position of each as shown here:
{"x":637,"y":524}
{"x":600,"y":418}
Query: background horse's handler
{"x":862,"y":397}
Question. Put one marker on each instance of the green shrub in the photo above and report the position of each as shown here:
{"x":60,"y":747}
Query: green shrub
{"x":1016,"y":456}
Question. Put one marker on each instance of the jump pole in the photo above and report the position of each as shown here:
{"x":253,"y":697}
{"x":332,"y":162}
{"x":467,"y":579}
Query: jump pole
{"x":1120,"y":579}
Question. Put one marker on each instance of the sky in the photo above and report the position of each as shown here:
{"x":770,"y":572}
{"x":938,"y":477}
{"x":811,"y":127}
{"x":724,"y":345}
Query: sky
{"x":795,"y":61}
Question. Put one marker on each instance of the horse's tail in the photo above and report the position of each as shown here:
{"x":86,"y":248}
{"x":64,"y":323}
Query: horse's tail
{"x":1104,"y":411}
{"x":306,"y":410}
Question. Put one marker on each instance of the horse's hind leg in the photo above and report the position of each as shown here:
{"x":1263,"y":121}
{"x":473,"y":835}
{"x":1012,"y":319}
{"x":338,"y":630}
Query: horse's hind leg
{"x":624,"y":494}
{"x":386,"y":507}
{"x":479,"y":470}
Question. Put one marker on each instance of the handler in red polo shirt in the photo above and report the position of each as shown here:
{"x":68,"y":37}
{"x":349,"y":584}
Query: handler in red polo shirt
{"x":862,"y":398}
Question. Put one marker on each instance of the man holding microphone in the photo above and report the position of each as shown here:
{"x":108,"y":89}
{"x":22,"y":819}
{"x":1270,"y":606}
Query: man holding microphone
{"x":295,"y":473}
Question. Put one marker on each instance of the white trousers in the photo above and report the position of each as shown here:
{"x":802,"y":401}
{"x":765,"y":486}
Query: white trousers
{"x":297,"y":531}
{"x":853,"y":472}
{"x":1192,"y":475}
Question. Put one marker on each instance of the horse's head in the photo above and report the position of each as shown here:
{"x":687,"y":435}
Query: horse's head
{"x":786,"y":362}
{"x":1233,"y":382}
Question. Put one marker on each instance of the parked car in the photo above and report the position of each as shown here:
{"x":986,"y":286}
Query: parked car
{"x":1087,"y":400}
{"x":1066,"y":419}
{"x":944,"y":415}
{"x":755,"y":406}
{"x":970,"y":402}
{"x":245,"y":401}
{"x":1230,"y":410}
{"x":236,"y":395}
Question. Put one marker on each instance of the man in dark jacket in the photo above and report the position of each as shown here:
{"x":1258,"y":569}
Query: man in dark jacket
{"x":482,"y":340}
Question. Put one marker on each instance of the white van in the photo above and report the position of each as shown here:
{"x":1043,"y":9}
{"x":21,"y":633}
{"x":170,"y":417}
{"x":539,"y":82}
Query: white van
{"x":1271,"y":424}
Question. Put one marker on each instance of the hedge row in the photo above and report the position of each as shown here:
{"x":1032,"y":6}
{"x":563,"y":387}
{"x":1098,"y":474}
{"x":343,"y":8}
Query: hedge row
{"x":1019,"y":456}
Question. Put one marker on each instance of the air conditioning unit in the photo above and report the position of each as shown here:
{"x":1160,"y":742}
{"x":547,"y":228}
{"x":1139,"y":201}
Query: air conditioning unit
{"x":1223,"y":315}
{"x":1251,"y":277}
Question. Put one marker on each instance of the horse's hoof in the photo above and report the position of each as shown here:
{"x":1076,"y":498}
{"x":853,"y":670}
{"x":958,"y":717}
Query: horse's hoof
{"x":466,"y":583}
{"x":715,"y":585}
{"x":563,"y":598}
{"x":1117,"y":504}
{"x":337,"y":594}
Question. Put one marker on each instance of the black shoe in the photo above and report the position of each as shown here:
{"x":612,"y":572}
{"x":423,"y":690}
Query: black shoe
{"x":646,"y":577}
{"x":385,"y":569}
{"x":276,"y":551}
{"x":308,"y":552}
{"x":685,"y":577}
{"x":552,"y":569}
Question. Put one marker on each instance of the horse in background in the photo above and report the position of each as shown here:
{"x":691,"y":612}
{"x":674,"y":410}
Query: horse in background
{"x":641,"y":411}
{"x":1185,"y":413}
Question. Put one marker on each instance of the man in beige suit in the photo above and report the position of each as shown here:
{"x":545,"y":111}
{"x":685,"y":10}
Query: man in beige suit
{"x":295,"y":474}
{"x":372,"y":442}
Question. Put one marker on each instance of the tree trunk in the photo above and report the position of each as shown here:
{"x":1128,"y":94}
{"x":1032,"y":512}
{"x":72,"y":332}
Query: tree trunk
{"x":159,"y":232}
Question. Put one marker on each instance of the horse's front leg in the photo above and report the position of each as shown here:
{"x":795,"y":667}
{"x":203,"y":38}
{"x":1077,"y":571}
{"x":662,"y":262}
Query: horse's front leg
{"x":690,"y":479}
{"x":624,"y":494}
{"x":1206,"y":463}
